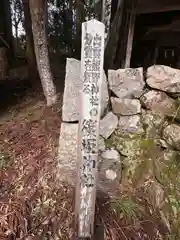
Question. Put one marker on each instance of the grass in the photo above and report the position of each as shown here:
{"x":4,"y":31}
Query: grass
{"x":126,"y":208}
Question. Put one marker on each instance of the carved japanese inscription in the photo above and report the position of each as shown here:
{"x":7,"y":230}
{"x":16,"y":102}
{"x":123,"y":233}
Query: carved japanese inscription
{"x":92,"y":54}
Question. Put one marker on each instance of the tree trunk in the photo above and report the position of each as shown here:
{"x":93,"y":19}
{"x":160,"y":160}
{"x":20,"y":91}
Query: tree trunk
{"x":80,"y":18}
{"x":114,"y":4}
{"x":3,"y":63}
{"x":71,"y":29}
{"x":38,"y":16}
{"x":30,"y":54}
{"x":6,"y":28}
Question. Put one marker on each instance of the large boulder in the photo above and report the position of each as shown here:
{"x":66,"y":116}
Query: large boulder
{"x":159,"y":103}
{"x":125,"y":106}
{"x":172,"y":135}
{"x":108,"y":124}
{"x":164,"y":78}
{"x":73,"y":85}
{"x":126,"y":83}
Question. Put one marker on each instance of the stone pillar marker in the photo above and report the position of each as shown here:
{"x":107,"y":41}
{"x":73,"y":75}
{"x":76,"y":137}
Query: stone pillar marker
{"x":92,"y":57}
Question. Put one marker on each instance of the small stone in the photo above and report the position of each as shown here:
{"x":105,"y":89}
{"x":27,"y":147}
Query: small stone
{"x":159,"y":103}
{"x":109,"y":171}
{"x":130,"y":125}
{"x":110,"y":174}
{"x":108,"y":124}
{"x":126,"y":83}
{"x":171,"y":135}
{"x":164,"y":78}
{"x":112,"y":155}
{"x":163,"y":144}
{"x":125,"y":106}
{"x":73,"y":86}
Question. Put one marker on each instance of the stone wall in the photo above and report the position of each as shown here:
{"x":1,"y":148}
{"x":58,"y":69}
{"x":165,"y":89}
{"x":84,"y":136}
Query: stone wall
{"x":139,"y":130}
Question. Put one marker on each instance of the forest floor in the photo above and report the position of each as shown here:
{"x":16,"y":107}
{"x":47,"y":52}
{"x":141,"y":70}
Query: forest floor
{"x":33,"y":203}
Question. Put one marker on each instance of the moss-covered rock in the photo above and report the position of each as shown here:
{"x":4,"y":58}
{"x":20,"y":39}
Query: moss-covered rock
{"x":130,"y":125}
{"x":152,"y":169}
{"x":139,"y":152}
{"x":172,"y":135}
{"x":153,"y":124}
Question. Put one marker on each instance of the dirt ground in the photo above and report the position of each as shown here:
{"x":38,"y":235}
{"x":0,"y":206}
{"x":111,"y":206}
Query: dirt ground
{"x":33,"y":203}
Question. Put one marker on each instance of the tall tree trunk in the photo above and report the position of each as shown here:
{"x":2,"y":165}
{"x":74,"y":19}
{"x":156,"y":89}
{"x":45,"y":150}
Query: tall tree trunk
{"x":38,"y":16}
{"x":71,"y":29}
{"x":5,"y":37}
{"x":80,"y":17}
{"x":30,"y":54}
{"x":114,"y":4}
{"x":6,"y":29}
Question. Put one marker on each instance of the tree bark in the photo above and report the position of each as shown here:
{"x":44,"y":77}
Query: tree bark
{"x":114,"y":4}
{"x":3,"y":63}
{"x":71,"y":30}
{"x":30,"y":54}
{"x":6,"y":28}
{"x":80,"y":17}
{"x":38,"y":16}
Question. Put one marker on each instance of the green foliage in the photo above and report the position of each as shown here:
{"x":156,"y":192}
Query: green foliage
{"x":127,"y":208}
{"x":60,"y":25}
{"x":171,"y":237}
{"x":5,"y":160}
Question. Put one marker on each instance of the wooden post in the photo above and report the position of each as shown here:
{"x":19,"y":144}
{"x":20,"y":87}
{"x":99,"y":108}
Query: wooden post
{"x":130,"y":39}
{"x":92,"y":55}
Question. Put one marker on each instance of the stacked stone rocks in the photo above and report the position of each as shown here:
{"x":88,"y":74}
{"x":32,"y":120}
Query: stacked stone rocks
{"x":139,"y":129}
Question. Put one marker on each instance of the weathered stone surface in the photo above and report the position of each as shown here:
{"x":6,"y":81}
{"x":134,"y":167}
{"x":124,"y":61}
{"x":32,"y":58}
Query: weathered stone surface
{"x":71,"y":90}
{"x":130,"y":125}
{"x":108,"y":124}
{"x":159,"y":103}
{"x":125,"y":106}
{"x":101,"y":144}
{"x":149,"y":170}
{"x":142,"y":156}
{"x":110,"y":172}
{"x":67,"y":152}
{"x":139,"y":153}
{"x":126,"y":83}
{"x":172,"y":135}
{"x":73,"y":84}
{"x":164,"y":78}
{"x":153,"y":124}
